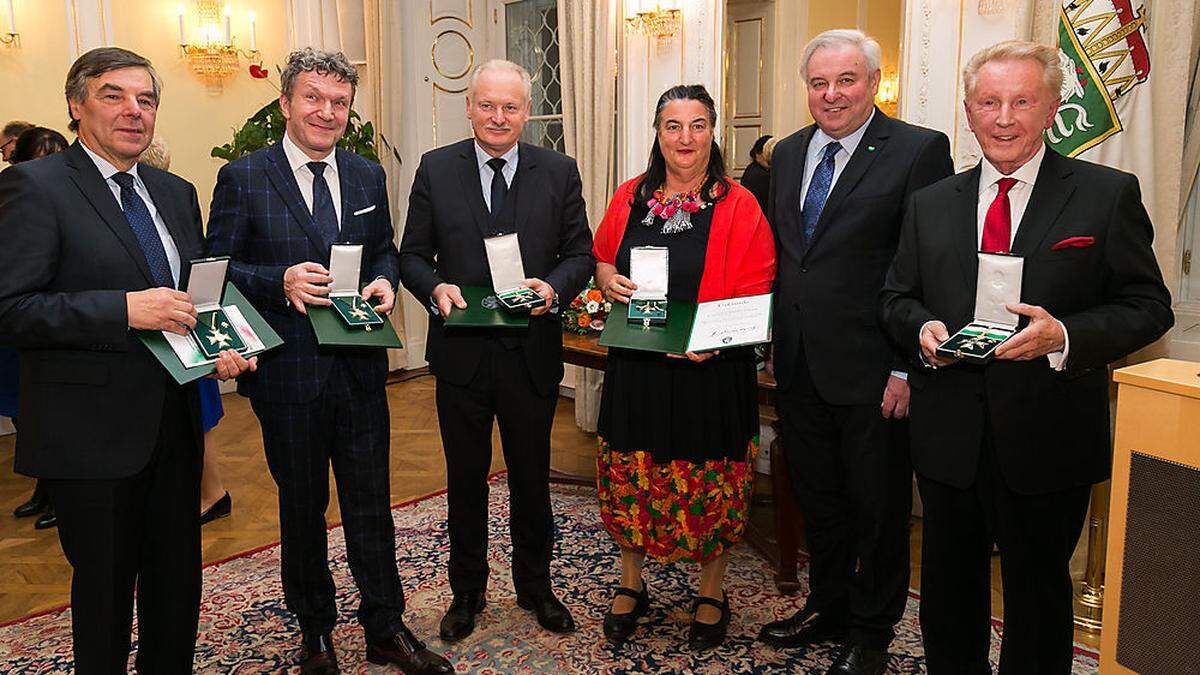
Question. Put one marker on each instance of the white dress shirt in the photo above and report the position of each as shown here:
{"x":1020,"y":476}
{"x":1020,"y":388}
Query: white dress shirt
{"x":816,"y":152}
{"x":304,"y":176}
{"x":1018,"y":200}
{"x":485,"y":172}
{"x":107,"y":170}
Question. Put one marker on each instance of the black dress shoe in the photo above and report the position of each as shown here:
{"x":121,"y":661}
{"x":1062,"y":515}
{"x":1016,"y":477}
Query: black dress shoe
{"x":805,"y":627}
{"x":404,"y":650}
{"x":459,"y":620}
{"x":859,"y":660}
{"x":46,"y":520}
{"x":551,"y":614}
{"x":620,"y":627}
{"x":319,"y":658}
{"x":703,"y":636}
{"x":39,"y":501}
{"x":220,"y":509}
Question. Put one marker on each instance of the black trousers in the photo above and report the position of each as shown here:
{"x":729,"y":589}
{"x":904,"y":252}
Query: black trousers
{"x":348,"y":427}
{"x":503,"y":391}
{"x":141,"y":532}
{"x":1036,"y":535}
{"x":853,"y":479}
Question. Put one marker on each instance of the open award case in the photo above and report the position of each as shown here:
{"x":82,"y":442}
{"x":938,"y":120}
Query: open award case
{"x":998,"y":285}
{"x":508,"y":274}
{"x":648,"y":269}
{"x":213,"y":333}
{"x":345,"y":265}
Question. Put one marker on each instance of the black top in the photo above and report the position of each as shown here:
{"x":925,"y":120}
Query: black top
{"x":757,"y":180}
{"x":674,"y":408}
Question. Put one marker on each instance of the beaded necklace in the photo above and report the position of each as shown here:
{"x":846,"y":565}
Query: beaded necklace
{"x":676,"y":210}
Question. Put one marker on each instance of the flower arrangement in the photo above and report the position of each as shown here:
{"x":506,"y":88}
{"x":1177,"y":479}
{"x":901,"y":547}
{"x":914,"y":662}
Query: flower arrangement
{"x":587,"y":311}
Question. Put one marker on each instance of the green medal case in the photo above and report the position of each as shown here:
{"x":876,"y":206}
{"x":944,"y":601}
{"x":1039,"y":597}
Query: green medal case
{"x":508,"y":274}
{"x":648,"y":269}
{"x":998,"y":284}
{"x":205,"y":285}
{"x":345,"y":266}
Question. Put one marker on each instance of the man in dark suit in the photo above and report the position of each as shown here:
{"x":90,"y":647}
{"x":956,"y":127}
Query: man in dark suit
{"x":1006,"y":452}
{"x":462,"y":194}
{"x":93,"y":246}
{"x":837,"y":196}
{"x":276,"y":213}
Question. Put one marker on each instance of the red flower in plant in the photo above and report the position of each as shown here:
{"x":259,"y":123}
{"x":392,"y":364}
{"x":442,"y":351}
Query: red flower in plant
{"x":258,"y":72}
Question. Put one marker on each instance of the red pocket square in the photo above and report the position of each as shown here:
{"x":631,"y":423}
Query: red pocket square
{"x":1074,"y":242}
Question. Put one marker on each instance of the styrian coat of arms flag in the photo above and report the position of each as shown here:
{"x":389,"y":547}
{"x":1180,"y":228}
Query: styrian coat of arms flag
{"x":1105,"y":115}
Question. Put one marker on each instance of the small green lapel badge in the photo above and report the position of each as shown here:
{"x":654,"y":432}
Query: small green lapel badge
{"x":870,"y":148}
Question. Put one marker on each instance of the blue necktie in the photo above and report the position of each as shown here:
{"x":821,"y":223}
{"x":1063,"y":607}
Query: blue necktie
{"x":142,"y":224}
{"x":324,"y":216}
{"x":818,"y":191}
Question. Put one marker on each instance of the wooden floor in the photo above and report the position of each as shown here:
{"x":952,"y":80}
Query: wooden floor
{"x":34,"y":576}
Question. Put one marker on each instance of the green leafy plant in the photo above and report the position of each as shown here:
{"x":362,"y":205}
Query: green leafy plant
{"x":266,"y":127}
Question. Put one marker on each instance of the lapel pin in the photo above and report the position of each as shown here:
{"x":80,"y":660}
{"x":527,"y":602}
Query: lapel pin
{"x":870,"y":148}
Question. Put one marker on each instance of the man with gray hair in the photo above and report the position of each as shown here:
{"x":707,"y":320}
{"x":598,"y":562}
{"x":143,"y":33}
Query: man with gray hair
{"x":94,"y":243}
{"x":276,"y":212}
{"x":838,"y":189}
{"x":1006,"y":450}
{"x":464,"y":195}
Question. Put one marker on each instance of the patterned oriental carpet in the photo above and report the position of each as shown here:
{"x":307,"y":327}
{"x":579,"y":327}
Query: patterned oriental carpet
{"x":244,"y":627}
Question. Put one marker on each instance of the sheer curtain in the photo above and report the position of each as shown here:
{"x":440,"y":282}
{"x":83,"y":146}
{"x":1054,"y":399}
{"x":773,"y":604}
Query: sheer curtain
{"x":588,"y":63}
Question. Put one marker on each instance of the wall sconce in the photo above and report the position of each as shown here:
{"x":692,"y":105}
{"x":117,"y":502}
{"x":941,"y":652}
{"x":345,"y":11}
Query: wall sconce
{"x":212,"y":54}
{"x":987,"y":7}
{"x":12,"y":38}
{"x":889,"y":90}
{"x":656,"y":23}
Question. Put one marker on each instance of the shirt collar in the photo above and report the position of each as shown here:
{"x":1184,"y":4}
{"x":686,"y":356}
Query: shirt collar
{"x":849,"y":143}
{"x":1027,"y":173}
{"x":510,"y":157}
{"x":296,"y":157}
{"x":107,"y":170}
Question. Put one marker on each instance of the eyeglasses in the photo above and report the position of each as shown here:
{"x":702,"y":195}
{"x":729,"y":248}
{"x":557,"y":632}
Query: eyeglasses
{"x":5,"y":144}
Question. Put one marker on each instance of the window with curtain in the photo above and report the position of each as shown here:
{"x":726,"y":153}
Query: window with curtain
{"x":531,"y":38}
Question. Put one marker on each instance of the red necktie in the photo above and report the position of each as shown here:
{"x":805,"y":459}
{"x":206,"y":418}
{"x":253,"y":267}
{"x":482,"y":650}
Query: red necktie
{"x":997,"y":225}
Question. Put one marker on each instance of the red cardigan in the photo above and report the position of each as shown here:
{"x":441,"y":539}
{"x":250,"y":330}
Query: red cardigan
{"x":740,"y":259}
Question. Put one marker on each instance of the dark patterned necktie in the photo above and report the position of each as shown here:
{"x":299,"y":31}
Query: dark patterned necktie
{"x":499,"y":186}
{"x":323,"y":213}
{"x":818,"y":190}
{"x":142,"y":224}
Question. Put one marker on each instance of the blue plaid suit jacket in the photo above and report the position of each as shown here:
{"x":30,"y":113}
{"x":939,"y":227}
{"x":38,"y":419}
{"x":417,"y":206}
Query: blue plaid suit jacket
{"x":260,"y":221}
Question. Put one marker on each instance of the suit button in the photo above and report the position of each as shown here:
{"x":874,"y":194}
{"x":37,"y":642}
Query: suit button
{"x":803,"y":270}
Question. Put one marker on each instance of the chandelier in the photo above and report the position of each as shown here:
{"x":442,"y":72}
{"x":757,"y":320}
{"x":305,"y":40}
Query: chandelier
{"x":657,"y":23}
{"x":210,"y":51}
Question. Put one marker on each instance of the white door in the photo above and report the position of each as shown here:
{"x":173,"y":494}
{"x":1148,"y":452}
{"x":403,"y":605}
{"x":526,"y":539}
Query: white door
{"x":750,"y":38}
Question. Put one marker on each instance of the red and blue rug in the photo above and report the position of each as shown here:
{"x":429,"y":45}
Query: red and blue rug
{"x":244,"y":627}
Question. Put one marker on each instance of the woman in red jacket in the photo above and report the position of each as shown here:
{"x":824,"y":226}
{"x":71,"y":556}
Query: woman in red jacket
{"x":678,"y":433}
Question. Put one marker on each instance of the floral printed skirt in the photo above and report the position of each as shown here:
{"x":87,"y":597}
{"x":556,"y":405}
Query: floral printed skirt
{"x":680,"y":510}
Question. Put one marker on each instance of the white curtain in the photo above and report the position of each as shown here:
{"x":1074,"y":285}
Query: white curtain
{"x":587,"y":43}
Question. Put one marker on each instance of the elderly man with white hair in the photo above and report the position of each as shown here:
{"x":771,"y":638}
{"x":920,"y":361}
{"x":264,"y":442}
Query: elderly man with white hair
{"x":1006,"y":450}
{"x":465,"y":197}
{"x":838,"y":189}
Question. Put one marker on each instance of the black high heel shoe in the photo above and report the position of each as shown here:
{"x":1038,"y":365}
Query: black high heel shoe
{"x":703,"y":636}
{"x":620,"y":627}
{"x":220,"y":509}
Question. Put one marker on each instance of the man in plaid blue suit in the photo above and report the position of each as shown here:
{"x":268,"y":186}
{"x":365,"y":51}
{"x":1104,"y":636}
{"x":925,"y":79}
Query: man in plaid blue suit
{"x":276,"y":213}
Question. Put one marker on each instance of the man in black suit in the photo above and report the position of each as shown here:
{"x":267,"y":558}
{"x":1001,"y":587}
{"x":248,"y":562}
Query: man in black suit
{"x":276,"y":213}
{"x":94,"y":243}
{"x":1006,"y":452}
{"x":463,"y":193}
{"x":837,"y":196}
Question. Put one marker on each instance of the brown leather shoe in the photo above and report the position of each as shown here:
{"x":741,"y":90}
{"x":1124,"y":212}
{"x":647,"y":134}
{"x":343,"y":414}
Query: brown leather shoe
{"x":319,"y":658}
{"x":404,"y":650}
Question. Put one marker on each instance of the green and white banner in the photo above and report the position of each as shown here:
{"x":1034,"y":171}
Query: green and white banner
{"x":1105,"y":115}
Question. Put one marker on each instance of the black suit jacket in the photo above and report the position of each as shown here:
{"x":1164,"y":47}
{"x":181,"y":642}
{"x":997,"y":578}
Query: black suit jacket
{"x":91,"y":395}
{"x":1049,"y":430}
{"x":826,"y":292}
{"x":443,"y":242}
{"x":260,"y":220}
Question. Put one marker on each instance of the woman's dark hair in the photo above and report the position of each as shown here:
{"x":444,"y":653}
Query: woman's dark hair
{"x":757,"y":148}
{"x":36,"y":143}
{"x":715,"y":180}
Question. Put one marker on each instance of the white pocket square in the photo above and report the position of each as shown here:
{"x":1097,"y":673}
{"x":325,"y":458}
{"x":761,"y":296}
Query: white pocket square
{"x":366,"y":210}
